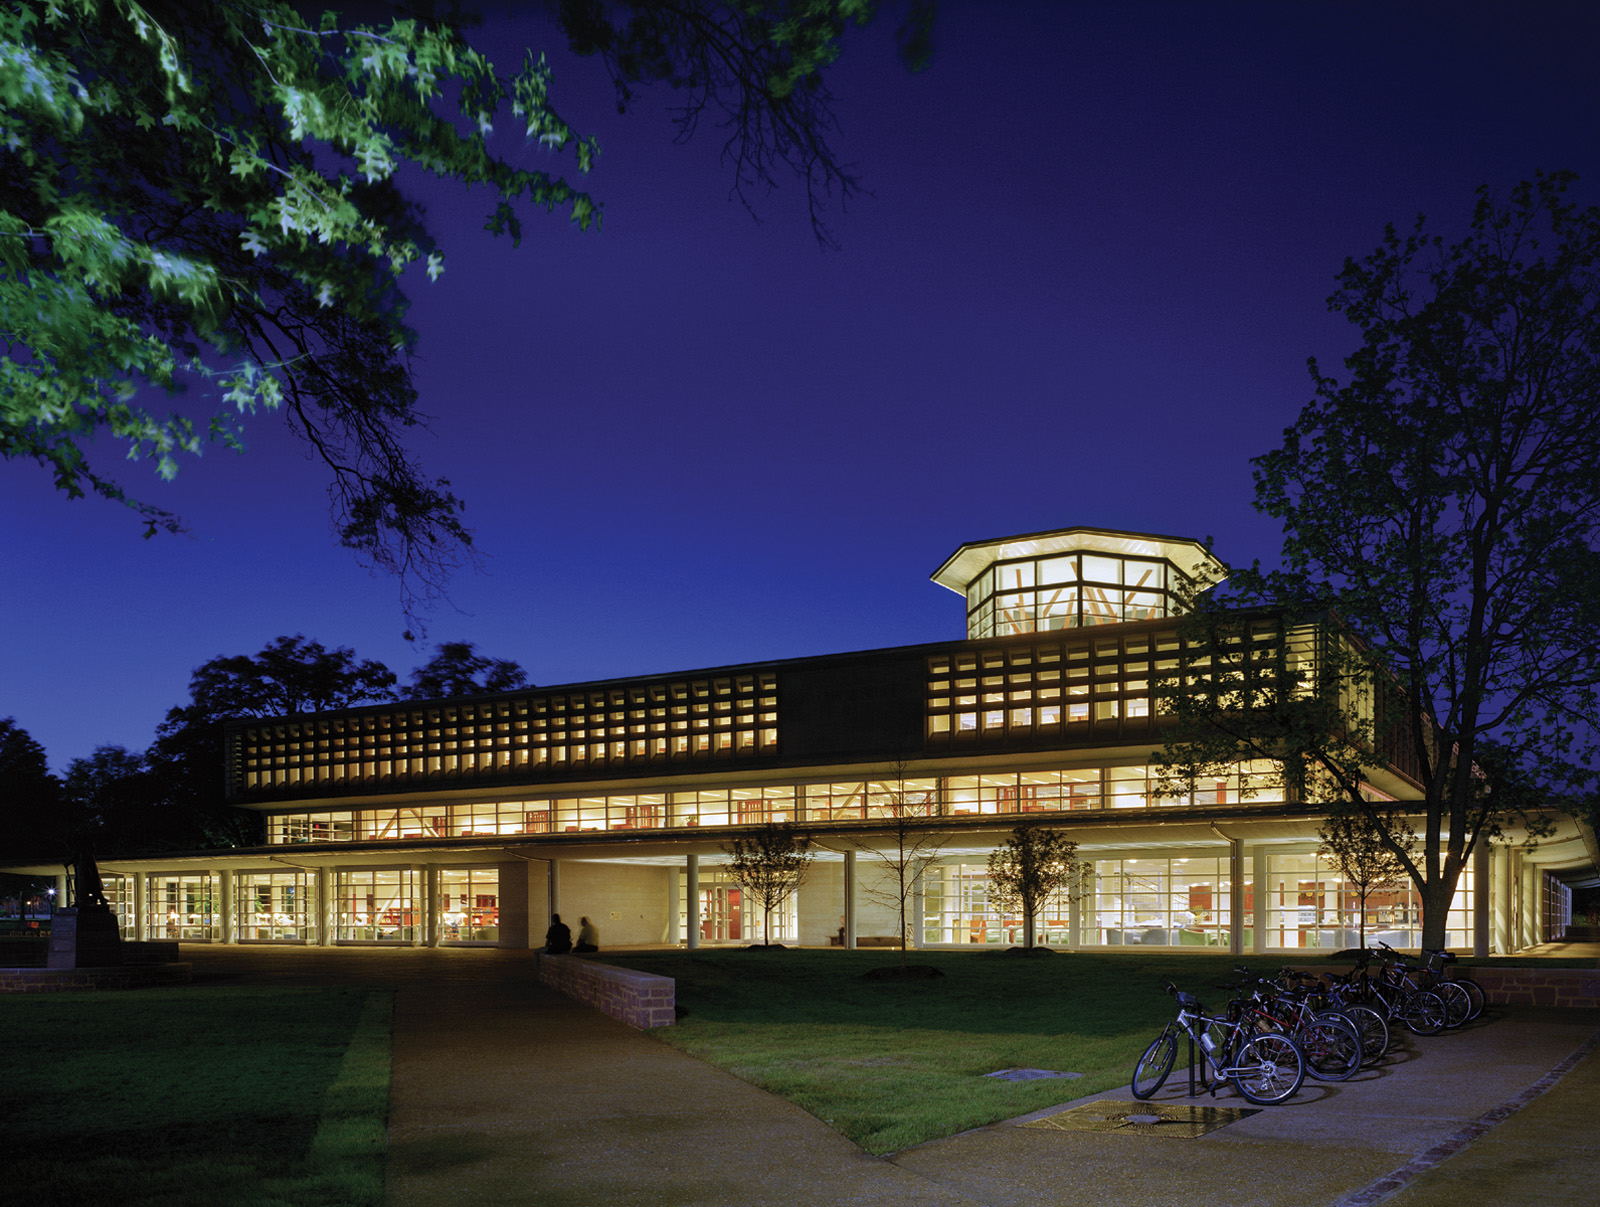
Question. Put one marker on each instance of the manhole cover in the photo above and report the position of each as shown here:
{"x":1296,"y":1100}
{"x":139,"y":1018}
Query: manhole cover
{"x":1144,"y":1118}
{"x":1027,"y":1074}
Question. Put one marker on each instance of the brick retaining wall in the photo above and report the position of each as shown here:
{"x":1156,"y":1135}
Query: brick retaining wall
{"x":640,"y":999}
{"x":1525,"y":986}
{"x":68,"y":980}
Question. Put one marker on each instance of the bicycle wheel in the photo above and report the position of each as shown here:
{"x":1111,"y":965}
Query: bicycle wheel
{"x":1267,"y":1069}
{"x":1331,"y":1047}
{"x":1372,"y":1028}
{"x":1422,"y":1012}
{"x":1151,"y":1072}
{"x":1475,"y":992}
{"x":1457,"y":1003}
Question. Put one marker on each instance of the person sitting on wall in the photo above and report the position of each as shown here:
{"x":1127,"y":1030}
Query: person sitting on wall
{"x":558,"y":939}
{"x":588,"y":937}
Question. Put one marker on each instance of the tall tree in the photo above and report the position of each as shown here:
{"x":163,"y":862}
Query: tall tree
{"x":770,"y":864}
{"x":33,"y":819}
{"x":1441,"y":512}
{"x":198,"y":203}
{"x":457,"y":669}
{"x":1032,"y":865}
{"x":290,"y":675}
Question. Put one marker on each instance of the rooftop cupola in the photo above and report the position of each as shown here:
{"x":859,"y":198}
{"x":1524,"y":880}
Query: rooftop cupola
{"x":1072,"y":578}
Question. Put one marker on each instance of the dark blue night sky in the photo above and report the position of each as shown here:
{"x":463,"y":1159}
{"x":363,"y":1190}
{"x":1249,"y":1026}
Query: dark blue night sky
{"x":1083,"y":290}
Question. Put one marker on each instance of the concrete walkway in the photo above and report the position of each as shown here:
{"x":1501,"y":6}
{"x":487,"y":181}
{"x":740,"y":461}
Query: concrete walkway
{"x":506,"y":1093}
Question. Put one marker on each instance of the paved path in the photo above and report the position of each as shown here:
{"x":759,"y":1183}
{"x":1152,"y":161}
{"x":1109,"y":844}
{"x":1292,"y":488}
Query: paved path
{"x":507,"y":1093}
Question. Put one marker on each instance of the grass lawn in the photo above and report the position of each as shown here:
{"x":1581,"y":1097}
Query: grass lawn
{"x":891,"y":1064}
{"x":250,"y":1097}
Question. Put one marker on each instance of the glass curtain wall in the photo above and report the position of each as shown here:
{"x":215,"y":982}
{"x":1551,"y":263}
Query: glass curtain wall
{"x":958,"y":908}
{"x":273,"y":907}
{"x":469,"y":905}
{"x":378,"y":906}
{"x":1308,"y":905}
{"x":729,"y":913}
{"x":1161,"y":901}
{"x":184,"y":907}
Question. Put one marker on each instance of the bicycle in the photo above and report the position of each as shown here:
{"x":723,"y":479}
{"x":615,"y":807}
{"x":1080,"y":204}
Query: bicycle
{"x":1264,"y":1069}
{"x":1418,"y":1010}
{"x":1341,"y":995}
{"x":1457,"y":1005}
{"x":1330,"y":1044}
{"x":1432,"y":975}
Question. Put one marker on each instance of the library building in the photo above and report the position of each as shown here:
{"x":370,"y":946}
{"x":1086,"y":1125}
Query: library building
{"x":471,"y":820}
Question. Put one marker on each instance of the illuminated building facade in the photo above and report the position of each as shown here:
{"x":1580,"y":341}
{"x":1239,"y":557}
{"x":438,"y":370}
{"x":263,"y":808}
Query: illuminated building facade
{"x":469,"y":821}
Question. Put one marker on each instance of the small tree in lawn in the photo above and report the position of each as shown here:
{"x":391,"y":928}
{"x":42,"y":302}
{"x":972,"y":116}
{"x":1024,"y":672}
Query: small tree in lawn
{"x":908,"y":819}
{"x":770,"y":864}
{"x":1367,"y":850}
{"x":1034,"y":863}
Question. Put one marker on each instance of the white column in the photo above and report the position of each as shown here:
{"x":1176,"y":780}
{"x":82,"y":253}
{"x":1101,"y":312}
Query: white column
{"x":1530,"y":902}
{"x":914,"y":914}
{"x":692,"y":889}
{"x":433,"y":928}
{"x":1261,"y":889}
{"x":850,"y":900}
{"x":324,"y":906}
{"x":1480,"y":898}
{"x":1500,"y":879}
{"x":230,"y":932}
{"x":1236,"y":877}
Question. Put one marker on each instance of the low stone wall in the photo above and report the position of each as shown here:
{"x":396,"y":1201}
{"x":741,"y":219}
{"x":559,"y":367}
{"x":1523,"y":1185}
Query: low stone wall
{"x":1525,"y":986}
{"x":70,"y":980}
{"x":640,"y":999}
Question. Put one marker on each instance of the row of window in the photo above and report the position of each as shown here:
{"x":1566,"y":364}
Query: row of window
{"x":1051,"y":791}
{"x":664,"y":722}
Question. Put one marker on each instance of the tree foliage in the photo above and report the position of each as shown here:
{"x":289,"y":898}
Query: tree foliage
{"x":198,"y":201}
{"x":1032,"y":865}
{"x":770,"y":864}
{"x":1442,"y":501}
{"x":457,"y":669}
{"x":33,"y":821}
{"x":200,"y":197}
{"x":755,"y":68}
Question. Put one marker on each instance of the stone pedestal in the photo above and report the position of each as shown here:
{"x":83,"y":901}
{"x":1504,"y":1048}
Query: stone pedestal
{"x":85,"y":937}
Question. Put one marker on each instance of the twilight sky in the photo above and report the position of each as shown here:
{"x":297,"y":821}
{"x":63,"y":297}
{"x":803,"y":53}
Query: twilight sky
{"x":1093,"y":263}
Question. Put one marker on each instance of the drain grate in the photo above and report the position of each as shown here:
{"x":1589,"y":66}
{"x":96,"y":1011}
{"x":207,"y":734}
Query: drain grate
{"x":1027,"y":1074}
{"x":1144,"y":1118}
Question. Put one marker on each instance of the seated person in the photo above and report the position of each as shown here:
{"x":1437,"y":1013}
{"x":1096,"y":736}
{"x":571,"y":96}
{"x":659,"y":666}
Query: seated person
{"x":588,"y":936}
{"x":558,"y":939}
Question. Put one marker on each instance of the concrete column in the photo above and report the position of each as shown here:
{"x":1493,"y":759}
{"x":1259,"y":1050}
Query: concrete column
{"x":323,"y":906}
{"x":1084,"y":886}
{"x":230,"y":929}
{"x":850,"y":900}
{"x":61,"y":900}
{"x":555,"y":886}
{"x":1236,"y":878}
{"x":1530,"y":902}
{"x":1260,"y":890}
{"x":433,"y":918}
{"x":141,"y":908}
{"x":914,"y":913}
{"x":1500,"y":881}
{"x":670,"y":932}
{"x":692,"y":889}
{"x":1480,"y":898}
